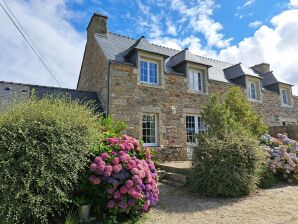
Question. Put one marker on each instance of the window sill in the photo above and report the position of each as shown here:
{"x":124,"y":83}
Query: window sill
{"x":254,"y":100}
{"x":151,"y":145}
{"x":151,"y":85}
{"x":196,"y":92}
{"x":287,"y":106}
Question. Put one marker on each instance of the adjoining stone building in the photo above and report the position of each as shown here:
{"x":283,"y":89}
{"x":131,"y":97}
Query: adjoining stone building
{"x":160,"y":91}
{"x":12,"y":93}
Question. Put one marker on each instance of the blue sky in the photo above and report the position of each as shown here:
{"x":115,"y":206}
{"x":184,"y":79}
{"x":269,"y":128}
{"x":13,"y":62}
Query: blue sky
{"x":247,"y":31}
{"x":235,"y":16}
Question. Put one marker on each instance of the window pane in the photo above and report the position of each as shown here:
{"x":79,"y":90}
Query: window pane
{"x":285,"y":96}
{"x":153,"y":73}
{"x":253,"y":91}
{"x":149,"y":129}
{"x":144,"y":71}
{"x":199,"y":81}
{"x":190,"y":129}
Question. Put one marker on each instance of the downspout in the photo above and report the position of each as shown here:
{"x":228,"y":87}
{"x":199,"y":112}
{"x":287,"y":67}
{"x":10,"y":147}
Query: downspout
{"x":108,"y":90}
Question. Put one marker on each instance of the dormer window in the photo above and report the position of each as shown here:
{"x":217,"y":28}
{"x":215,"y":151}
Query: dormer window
{"x":285,"y":98}
{"x":195,"y":81}
{"x":285,"y":94}
{"x":254,"y":90}
{"x":148,"y":72}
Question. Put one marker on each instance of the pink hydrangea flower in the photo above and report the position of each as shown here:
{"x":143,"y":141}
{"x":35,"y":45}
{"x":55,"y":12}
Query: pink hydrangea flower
{"x":98,"y":159}
{"x":137,"y":195}
{"x":123,"y":190}
{"x":93,"y":166}
{"x":116,"y":161}
{"x":134,"y":171}
{"x":117,"y":168}
{"x":131,"y":191}
{"x":95,"y":180}
{"x":110,"y":190}
{"x":121,"y":146}
{"x":122,"y":204}
{"x":105,"y":156}
{"x":108,"y":168}
{"x":129,"y":183}
{"x":117,"y":195}
{"x":111,"y":204}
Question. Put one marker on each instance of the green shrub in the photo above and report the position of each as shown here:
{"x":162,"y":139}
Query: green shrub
{"x":268,"y":179}
{"x":44,"y":148}
{"x":227,"y":167}
{"x":227,"y":160}
{"x":240,"y":109}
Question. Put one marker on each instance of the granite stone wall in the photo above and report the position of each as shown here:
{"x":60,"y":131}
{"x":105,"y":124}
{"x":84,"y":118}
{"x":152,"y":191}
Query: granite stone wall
{"x":172,"y":102}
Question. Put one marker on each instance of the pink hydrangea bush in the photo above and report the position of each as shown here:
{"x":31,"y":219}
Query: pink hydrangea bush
{"x":127,"y":175}
{"x":283,"y":153}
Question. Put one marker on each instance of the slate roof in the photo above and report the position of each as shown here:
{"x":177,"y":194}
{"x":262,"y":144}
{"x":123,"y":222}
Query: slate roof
{"x":185,"y":55}
{"x":9,"y":88}
{"x":268,"y":79}
{"x":238,"y":70}
{"x":115,"y":47}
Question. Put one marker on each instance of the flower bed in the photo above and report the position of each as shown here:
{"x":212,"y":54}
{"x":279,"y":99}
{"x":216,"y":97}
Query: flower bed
{"x":126,"y":175}
{"x":283,"y":154}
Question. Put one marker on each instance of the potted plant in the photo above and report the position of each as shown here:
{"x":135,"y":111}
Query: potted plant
{"x":84,"y":207}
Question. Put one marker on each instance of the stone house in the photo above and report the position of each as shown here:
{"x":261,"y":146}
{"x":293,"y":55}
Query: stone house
{"x":160,"y":91}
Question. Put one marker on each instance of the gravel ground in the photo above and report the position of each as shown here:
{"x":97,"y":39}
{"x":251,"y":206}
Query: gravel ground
{"x":272,"y":206}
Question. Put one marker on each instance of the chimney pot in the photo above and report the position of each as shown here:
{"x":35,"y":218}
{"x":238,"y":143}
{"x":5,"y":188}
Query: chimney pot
{"x":262,"y":68}
{"x":97,"y":24}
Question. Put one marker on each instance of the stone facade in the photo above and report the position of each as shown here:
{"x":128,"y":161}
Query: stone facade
{"x":94,"y":71}
{"x":125,"y":98}
{"x":171,"y":103}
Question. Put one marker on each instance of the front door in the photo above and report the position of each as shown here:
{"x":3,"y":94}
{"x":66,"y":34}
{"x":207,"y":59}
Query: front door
{"x":194,"y":125}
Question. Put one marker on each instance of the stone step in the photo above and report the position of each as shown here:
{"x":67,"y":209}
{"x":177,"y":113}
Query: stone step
{"x":175,"y":177}
{"x":171,"y":183}
{"x":161,"y":174}
{"x":172,"y":169}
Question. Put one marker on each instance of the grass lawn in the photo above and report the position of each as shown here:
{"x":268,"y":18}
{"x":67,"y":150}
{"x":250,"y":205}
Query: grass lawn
{"x":275,"y":205}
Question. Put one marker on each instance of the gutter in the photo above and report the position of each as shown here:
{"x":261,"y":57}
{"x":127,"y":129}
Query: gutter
{"x":108,"y":91}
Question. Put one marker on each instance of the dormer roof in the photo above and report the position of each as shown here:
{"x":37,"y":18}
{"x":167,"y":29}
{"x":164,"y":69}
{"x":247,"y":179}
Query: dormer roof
{"x":143,"y":44}
{"x":186,"y":56}
{"x":238,"y":70}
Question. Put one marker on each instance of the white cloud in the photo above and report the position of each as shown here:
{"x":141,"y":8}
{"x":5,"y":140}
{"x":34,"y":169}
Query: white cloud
{"x":200,"y":20}
{"x":276,"y":45}
{"x":248,"y":3}
{"x":255,"y":24}
{"x":47,"y":24}
{"x":171,"y":29}
{"x":294,"y":3}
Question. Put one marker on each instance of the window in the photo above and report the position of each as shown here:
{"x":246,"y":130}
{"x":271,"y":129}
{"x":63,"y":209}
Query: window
{"x":149,"y":72}
{"x":149,"y":130}
{"x":285,"y":98}
{"x":194,"y":125}
{"x":252,"y":90}
{"x":195,"y":80}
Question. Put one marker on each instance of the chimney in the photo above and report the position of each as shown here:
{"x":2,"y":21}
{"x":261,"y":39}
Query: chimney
{"x":261,"y":68}
{"x":97,"y":24}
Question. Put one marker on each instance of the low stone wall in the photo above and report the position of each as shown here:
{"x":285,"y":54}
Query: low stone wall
{"x":292,"y":131}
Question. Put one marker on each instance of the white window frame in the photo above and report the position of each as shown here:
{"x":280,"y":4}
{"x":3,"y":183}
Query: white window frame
{"x":155,"y":131}
{"x":197,"y":129}
{"x":288,"y":94}
{"x":250,"y":93}
{"x":193,"y":83}
{"x":148,"y":71}
{"x":258,"y":91}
